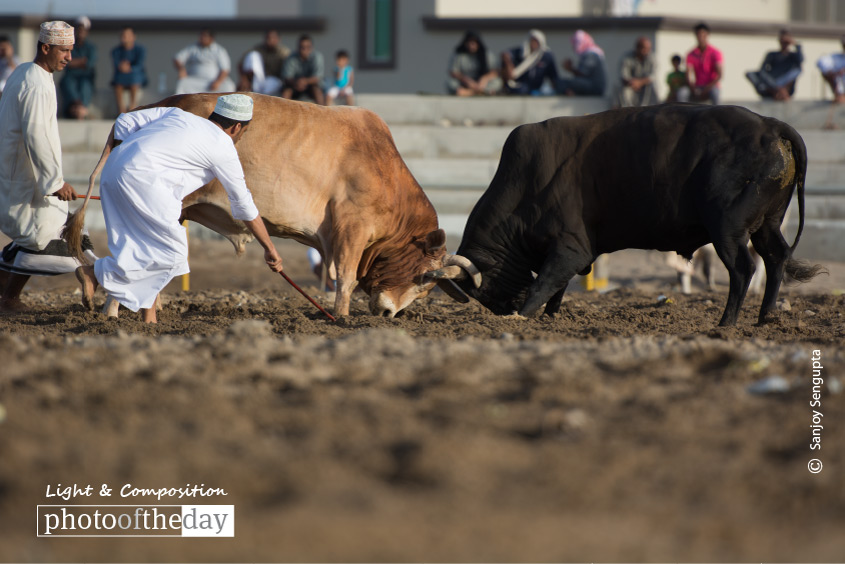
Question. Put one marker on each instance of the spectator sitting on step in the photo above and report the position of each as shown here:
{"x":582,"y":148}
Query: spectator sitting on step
{"x":590,"y":72}
{"x":77,"y":85}
{"x":779,"y":71}
{"x":129,"y":72}
{"x":203,"y":66}
{"x":636,"y":72}
{"x":303,"y":73}
{"x":8,"y":60}
{"x":472,"y":68}
{"x":832,"y":68}
{"x":526,"y":68}
{"x":261,"y":68}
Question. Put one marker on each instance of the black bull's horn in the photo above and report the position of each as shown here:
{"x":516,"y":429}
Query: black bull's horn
{"x":456,"y":267}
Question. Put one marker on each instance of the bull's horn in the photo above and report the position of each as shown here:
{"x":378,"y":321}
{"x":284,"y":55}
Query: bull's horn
{"x":447,"y":273}
{"x":453,"y":291}
{"x":466,"y":265}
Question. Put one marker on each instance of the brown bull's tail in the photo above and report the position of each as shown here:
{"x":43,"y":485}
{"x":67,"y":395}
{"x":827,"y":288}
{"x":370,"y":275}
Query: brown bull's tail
{"x":72,"y":233}
{"x":800,"y":270}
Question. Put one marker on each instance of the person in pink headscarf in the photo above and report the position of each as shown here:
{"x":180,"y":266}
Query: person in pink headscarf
{"x":589,"y":72}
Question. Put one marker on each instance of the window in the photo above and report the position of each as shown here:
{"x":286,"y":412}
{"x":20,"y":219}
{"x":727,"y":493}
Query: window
{"x":377,"y":34}
{"x":818,"y":11}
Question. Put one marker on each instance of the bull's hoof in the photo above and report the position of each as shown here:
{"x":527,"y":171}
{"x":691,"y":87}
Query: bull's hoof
{"x":88,"y":287}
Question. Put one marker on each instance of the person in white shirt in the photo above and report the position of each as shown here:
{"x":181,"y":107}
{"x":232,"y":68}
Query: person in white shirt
{"x":203,"y":67}
{"x":8,"y":60}
{"x":33,"y":193}
{"x":165,"y":154}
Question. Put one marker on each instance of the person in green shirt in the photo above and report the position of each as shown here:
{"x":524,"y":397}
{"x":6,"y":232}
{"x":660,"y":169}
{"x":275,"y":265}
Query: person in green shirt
{"x":677,"y":81}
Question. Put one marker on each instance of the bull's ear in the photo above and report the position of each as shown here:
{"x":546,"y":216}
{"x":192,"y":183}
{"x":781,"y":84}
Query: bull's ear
{"x":435,"y":241}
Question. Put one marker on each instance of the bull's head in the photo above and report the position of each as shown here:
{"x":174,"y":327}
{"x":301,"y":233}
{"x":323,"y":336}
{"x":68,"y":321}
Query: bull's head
{"x":397,"y":276}
{"x":501,"y":290}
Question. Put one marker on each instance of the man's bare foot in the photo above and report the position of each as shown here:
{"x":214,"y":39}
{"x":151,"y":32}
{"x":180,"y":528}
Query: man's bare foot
{"x":149,"y":315}
{"x":86,"y":277}
{"x":13,"y":305}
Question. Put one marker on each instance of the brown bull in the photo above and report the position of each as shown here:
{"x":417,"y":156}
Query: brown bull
{"x":330,"y":178}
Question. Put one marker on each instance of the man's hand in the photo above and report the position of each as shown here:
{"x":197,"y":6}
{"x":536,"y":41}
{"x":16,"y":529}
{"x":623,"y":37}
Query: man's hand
{"x":66,"y":192}
{"x":124,"y":67}
{"x":273,"y":260}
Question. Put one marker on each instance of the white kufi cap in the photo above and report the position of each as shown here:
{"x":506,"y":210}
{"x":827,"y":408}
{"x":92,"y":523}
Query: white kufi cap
{"x":234,"y":106}
{"x":56,"y":33}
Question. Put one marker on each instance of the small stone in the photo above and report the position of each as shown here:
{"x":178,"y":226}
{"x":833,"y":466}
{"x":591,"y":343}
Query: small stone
{"x":2,"y":413}
{"x":834,"y":386}
{"x":769,"y":386}
{"x":784,"y":305}
{"x":809,"y":313}
{"x":506,"y":337}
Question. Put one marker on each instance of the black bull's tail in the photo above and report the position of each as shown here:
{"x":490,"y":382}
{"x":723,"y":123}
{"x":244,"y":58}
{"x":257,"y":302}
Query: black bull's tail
{"x":798,"y":270}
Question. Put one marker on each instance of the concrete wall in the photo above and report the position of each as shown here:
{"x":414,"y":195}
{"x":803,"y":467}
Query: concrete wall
{"x":508,"y":8}
{"x":736,"y":10}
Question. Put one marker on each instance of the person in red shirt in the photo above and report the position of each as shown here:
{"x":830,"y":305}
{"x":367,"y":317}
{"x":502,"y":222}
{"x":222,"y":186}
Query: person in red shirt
{"x":704,"y":68}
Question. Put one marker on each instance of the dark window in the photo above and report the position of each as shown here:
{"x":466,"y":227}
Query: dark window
{"x":377,"y":34}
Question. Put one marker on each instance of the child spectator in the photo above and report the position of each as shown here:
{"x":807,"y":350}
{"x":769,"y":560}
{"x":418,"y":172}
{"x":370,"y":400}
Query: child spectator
{"x":129,"y":72}
{"x":677,"y":82}
{"x":344,"y":78}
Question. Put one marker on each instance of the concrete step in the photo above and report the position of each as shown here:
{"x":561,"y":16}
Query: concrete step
{"x":81,"y":136}
{"x":514,"y":110}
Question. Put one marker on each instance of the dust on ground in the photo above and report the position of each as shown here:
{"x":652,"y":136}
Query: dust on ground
{"x":623,"y":429}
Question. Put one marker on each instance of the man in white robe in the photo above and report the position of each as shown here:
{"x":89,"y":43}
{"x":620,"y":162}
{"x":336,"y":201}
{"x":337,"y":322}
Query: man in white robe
{"x":203,"y":67}
{"x":165,"y":154}
{"x":33,"y":193}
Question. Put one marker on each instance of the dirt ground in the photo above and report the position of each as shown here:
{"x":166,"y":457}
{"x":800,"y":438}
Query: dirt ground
{"x":628,"y":428}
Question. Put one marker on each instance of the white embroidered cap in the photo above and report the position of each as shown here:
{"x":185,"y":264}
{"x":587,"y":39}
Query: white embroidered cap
{"x":83,"y":21}
{"x":56,"y":33}
{"x":234,"y":106}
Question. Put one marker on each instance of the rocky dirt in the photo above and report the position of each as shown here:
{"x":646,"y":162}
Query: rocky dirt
{"x":628,"y":428}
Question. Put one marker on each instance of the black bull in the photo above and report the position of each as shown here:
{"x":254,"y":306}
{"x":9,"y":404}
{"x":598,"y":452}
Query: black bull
{"x":671,"y":178}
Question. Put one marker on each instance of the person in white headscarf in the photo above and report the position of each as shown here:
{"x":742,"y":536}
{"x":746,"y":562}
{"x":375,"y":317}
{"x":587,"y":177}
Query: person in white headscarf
{"x":33,"y":192}
{"x":589,"y":72}
{"x":163,"y":155}
{"x":525,"y":69}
